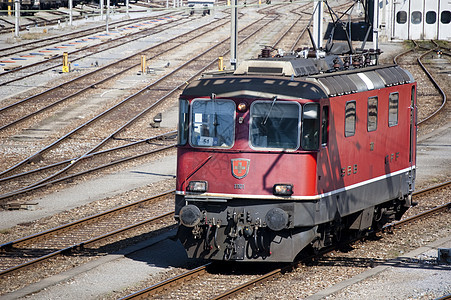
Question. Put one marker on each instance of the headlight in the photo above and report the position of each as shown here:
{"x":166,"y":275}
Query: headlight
{"x":242,"y":107}
{"x":197,"y":186}
{"x":283,"y":189}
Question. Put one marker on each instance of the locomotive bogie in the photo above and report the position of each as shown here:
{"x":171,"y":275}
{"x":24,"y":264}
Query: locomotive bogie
{"x":222,"y":243}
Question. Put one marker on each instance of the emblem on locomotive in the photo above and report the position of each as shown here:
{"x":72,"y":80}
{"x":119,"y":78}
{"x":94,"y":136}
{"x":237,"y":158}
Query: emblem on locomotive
{"x":240,"y":167}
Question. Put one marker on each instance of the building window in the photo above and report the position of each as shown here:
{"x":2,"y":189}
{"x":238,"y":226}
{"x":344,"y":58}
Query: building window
{"x":416,"y":17}
{"x":372,"y":113}
{"x":431,"y":17}
{"x":393,"y":109}
{"x":350,"y":118}
{"x":445,"y":17}
{"x":401,"y":17}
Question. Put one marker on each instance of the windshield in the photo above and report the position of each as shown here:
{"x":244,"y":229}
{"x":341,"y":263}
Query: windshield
{"x":275,"y":125}
{"x":212,"y":123}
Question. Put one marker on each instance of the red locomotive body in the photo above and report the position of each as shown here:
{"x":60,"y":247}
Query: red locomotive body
{"x":285,"y":154}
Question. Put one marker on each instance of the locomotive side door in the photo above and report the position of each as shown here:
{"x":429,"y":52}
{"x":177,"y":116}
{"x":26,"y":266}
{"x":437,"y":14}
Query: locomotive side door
{"x":413,"y":128}
{"x":325,"y":167}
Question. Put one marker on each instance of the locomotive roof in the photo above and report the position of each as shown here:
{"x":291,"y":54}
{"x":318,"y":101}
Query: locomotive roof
{"x":364,"y":79}
{"x":255,"y":86}
{"x":297,"y":78}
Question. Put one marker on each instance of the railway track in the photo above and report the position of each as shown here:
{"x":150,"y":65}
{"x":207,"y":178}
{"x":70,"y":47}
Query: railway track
{"x":88,"y":164}
{"x":421,"y":61}
{"x":285,"y":41}
{"x":86,"y":234}
{"x":294,"y":37}
{"x":432,"y":100}
{"x":61,"y":38}
{"x":40,"y":21}
{"x":207,"y":271}
{"x":18,"y":74}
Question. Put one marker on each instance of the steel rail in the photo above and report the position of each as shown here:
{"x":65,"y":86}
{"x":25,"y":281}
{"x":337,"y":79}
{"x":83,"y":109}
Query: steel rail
{"x":161,"y":286}
{"x":80,"y":245}
{"x":30,"y":238}
{"x":33,"y":21}
{"x":432,"y":188}
{"x":431,"y":211}
{"x":448,"y":296}
{"x":435,"y":83}
{"x":418,"y":216}
{"x":305,"y":29}
{"x":296,"y":41}
{"x":265,"y":277}
{"x":283,"y":35}
{"x":431,"y":78}
{"x":24,"y":26}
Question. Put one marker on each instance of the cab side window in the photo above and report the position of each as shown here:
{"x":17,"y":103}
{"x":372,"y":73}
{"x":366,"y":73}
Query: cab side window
{"x":350,"y":118}
{"x":372,"y":114}
{"x":393,"y":109}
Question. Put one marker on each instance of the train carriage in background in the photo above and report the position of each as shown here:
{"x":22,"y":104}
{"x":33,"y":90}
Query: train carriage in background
{"x":292,"y":152}
{"x":200,"y":6}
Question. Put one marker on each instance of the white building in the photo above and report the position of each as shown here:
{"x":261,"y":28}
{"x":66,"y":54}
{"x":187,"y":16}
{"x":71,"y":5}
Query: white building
{"x":414,"y":19}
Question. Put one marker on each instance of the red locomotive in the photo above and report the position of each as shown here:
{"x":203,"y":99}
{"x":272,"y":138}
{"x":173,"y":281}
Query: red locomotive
{"x":293,"y":152}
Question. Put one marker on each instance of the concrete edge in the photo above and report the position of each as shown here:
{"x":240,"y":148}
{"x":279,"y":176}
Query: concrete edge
{"x":372,"y":272}
{"x":55,"y":279}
